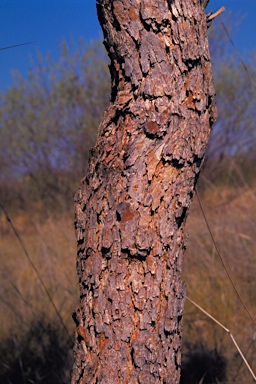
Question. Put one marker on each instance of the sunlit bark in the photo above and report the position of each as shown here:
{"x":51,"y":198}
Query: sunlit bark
{"x":132,"y":204}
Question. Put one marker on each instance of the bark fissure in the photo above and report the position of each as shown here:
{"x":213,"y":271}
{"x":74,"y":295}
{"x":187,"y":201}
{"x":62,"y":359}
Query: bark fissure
{"x":132,"y":205}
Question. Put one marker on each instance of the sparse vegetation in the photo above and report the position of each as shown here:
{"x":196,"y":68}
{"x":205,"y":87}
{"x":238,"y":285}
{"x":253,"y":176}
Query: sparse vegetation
{"x":56,"y":114}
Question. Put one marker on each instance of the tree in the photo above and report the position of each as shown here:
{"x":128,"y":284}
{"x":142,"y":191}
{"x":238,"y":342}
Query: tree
{"x":45,"y":118}
{"x":231,"y":148}
{"x":132,"y":204}
{"x":234,"y":134}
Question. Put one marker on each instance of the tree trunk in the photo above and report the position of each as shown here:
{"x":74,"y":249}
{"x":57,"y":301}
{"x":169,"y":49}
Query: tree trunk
{"x":132,"y":205}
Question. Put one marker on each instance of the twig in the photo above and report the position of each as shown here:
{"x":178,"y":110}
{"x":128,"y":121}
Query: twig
{"x":16,"y":45}
{"x":222,"y":260}
{"x":36,"y":271}
{"x":215,"y":14}
{"x":238,"y":54}
{"x":228,"y":331}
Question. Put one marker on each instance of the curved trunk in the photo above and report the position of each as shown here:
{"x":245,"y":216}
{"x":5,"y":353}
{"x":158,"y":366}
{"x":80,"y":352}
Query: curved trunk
{"x":132,"y":205}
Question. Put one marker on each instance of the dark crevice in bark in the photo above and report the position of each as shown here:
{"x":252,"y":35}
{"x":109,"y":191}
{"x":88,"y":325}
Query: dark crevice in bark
{"x":140,"y":256}
{"x":167,"y":49}
{"x":106,"y":252}
{"x":132,"y":357}
{"x":80,"y":242}
{"x":192,"y":63}
{"x":168,"y":333}
{"x":209,"y":104}
{"x":178,"y":164}
{"x":175,"y":163}
{"x":198,"y":162}
{"x":182,"y":217}
{"x":147,"y":26}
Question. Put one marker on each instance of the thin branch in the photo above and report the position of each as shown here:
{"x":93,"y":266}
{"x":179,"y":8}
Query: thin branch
{"x":36,"y":271}
{"x":16,"y":45}
{"x":238,"y":54}
{"x":215,"y":14}
{"x":228,"y":331}
{"x":222,"y":260}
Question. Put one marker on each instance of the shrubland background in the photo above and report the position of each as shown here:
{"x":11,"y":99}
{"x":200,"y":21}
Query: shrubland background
{"x":48,"y":123}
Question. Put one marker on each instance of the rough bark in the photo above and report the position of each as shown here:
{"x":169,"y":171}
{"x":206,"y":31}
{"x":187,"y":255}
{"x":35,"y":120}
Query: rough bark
{"x":132,"y":204}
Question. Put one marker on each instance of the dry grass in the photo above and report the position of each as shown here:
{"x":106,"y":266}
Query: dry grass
{"x":231,"y":216}
{"x":51,"y":245}
{"x":27,"y":316}
{"x":52,"y":248}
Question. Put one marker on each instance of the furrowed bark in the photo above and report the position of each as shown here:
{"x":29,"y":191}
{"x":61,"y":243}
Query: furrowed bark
{"x":132,"y":204}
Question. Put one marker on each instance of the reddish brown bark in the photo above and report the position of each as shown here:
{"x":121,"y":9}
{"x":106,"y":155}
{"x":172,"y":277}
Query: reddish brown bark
{"x":132,"y":205}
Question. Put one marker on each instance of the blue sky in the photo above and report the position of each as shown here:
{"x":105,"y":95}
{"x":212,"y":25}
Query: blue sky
{"x":48,"y":22}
